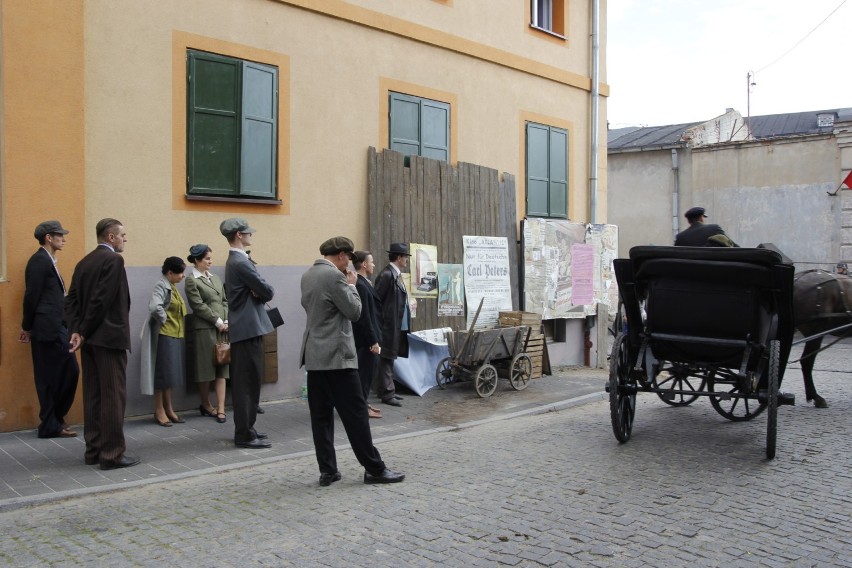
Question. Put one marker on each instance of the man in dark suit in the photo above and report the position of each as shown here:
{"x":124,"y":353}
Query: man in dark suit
{"x":331,"y":304}
{"x":55,"y":369}
{"x":396,"y":321}
{"x":97,"y":311}
{"x":247,"y":292}
{"x":698,"y":232}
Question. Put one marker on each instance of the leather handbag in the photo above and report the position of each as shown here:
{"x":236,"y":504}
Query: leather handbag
{"x":222,"y":349}
{"x":274,"y":316}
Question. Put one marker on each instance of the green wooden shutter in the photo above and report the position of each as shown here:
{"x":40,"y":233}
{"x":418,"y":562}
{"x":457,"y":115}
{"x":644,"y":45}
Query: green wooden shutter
{"x":537,"y":170}
{"x":435,"y":130}
{"x":558,"y":173}
{"x":212,"y":124}
{"x":404,"y":124}
{"x":259,"y":130}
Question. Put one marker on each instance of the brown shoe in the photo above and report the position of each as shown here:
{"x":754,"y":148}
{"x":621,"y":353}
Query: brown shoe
{"x":373,"y":412}
{"x":67,"y":433}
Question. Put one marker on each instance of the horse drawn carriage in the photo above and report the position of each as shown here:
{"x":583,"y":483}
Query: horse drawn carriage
{"x":703,"y":322}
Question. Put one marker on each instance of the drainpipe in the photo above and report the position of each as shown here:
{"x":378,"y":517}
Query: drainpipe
{"x":593,"y":163}
{"x":675,"y":194}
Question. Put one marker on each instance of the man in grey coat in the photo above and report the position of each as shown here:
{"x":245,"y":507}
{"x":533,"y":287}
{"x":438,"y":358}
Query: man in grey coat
{"x":331,"y":304}
{"x":247,"y":292}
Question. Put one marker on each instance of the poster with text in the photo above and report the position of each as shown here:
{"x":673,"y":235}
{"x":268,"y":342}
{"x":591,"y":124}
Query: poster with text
{"x":486,"y":279}
{"x":424,"y":271}
{"x":450,"y":290}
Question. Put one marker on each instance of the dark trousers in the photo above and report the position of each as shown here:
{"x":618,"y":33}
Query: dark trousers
{"x":56,"y":373}
{"x":104,"y":401}
{"x":246,"y":376}
{"x":367,"y":363}
{"x":386,"y":389}
{"x":340,"y":389}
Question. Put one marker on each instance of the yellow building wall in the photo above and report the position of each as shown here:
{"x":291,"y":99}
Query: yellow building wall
{"x":42,"y":172}
{"x":93,"y":125}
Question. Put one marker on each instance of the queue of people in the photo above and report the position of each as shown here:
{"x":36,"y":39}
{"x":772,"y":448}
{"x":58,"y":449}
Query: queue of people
{"x":93,"y":318}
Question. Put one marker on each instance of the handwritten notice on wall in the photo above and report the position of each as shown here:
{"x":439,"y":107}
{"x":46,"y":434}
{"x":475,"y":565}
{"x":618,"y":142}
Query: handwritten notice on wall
{"x":583,"y":264}
{"x":486,"y":279}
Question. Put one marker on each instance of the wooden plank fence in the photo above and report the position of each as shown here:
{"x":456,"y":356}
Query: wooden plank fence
{"x":431,"y":202}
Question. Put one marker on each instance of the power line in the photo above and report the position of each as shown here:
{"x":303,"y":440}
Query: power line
{"x":804,"y":38}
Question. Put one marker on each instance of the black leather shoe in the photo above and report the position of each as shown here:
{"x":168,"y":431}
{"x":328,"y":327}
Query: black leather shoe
{"x":392,"y":402}
{"x":123,"y":461}
{"x":327,"y":479}
{"x":254,"y":444}
{"x":396,"y":396}
{"x":91,"y":461}
{"x":261,"y":435}
{"x":260,"y":410}
{"x":386,"y":476}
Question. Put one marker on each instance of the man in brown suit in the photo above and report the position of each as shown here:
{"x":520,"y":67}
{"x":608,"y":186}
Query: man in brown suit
{"x":97,"y":311}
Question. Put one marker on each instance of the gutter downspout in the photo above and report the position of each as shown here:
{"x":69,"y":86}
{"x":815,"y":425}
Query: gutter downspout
{"x":593,"y":163}
{"x":675,"y":195}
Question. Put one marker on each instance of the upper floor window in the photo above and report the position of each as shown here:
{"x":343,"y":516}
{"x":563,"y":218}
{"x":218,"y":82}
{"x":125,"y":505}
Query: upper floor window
{"x":419,"y":127}
{"x":232,"y":127}
{"x":547,"y":171}
{"x":548,"y":15}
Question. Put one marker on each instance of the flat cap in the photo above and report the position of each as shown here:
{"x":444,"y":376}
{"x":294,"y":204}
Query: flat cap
{"x":335,"y":245}
{"x":399,"y":248}
{"x":47,"y":228}
{"x":234,"y":224}
{"x":694,"y":213}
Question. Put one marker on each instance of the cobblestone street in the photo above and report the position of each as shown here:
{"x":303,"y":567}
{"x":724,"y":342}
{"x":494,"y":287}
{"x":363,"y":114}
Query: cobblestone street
{"x":555,"y":489}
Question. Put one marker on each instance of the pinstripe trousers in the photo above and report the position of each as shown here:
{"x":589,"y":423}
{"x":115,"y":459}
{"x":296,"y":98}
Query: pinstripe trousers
{"x":104,"y":402}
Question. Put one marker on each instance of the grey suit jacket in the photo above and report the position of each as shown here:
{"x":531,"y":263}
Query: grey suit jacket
{"x":331,"y":305}
{"x":246,"y":315}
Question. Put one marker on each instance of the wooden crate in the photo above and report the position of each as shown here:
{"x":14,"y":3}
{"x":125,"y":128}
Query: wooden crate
{"x":535,"y":347}
{"x":270,"y":357}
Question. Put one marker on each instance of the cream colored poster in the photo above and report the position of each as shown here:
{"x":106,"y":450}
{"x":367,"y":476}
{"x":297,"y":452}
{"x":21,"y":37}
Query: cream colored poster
{"x":424,"y":271}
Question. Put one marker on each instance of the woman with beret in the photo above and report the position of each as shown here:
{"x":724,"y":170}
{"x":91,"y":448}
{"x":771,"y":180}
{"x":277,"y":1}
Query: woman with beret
{"x":163,"y":342}
{"x":368,"y":329}
{"x":206,"y":296}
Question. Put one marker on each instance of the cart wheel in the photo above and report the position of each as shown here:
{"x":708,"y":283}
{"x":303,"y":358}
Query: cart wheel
{"x":679,"y":379}
{"x":486,"y":380}
{"x":731,"y":406}
{"x":772,"y":418}
{"x":622,"y":390}
{"x":520,"y":371}
{"x":444,"y":372}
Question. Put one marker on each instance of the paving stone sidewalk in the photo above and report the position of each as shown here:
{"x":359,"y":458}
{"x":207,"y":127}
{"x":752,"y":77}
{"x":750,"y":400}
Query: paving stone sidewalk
{"x":34,"y":470}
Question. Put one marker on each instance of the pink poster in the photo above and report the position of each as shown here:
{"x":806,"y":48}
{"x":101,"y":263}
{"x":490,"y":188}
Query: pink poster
{"x":583,"y":268}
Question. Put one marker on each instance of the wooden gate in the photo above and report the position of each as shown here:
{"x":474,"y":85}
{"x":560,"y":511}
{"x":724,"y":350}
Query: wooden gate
{"x":431,"y":202}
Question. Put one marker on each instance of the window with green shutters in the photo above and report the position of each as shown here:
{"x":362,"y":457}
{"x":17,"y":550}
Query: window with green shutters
{"x":547,"y":171}
{"x":232,"y":127}
{"x":419,"y":127}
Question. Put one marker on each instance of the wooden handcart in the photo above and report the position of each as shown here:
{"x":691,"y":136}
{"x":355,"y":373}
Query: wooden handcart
{"x":483,"y":355}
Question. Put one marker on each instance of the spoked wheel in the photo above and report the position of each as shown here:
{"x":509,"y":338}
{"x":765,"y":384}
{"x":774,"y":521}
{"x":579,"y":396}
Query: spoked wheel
{"x":444,"y":372}
{"x":678,"y":379}
{"x":731,"y":406}
{"x":520,"y":371}
{"x":772,"y":405}
{"x":622,"y":391}
{"x":486,"y":380}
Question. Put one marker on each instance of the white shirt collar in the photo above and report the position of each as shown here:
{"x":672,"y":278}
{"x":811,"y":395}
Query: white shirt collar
{"x":198,"y":274}
{"x":395,"y":268}
{"x":239,"y":250}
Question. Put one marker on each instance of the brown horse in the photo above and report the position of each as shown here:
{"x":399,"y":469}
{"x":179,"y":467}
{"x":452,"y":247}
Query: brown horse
{"x":822,"y":301}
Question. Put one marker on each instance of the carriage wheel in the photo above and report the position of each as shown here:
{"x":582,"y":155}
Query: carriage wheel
{"x":733,"y":408}
{"x":679,"y":380}
{"x":486,"y":380}
{"x":772,"y":418}
{"x":444,"y":372}
{"x":622,"y":391}
{"x":520,"y":372}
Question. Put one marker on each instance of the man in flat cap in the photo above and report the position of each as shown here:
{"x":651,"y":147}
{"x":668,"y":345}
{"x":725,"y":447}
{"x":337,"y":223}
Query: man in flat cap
{"x":396,"y":321}
{"x":698,"y":233}
{"x":55,"y":370}
{"x":331,"y":304}
{"x":247,"y":292}
{"x":97,"y":311}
